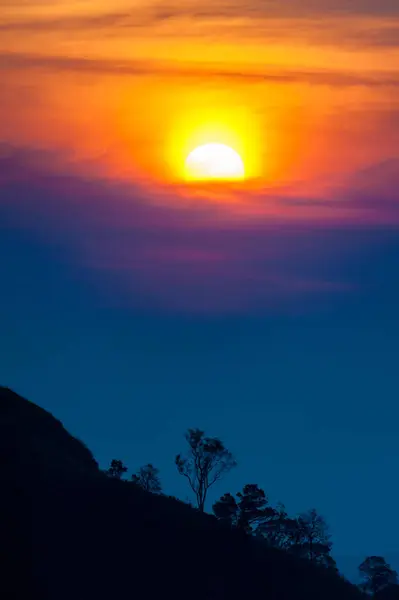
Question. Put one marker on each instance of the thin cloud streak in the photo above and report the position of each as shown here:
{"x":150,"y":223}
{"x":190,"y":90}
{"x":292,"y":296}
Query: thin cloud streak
{"x":315,"y":29}
{"x":10,"y":61}
{"x":238,"y":7}
{"x":289,"y":8}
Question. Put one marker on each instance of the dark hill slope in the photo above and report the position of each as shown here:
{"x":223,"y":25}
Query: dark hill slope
{"x":34,"y":442}
{"x":78,"y":534}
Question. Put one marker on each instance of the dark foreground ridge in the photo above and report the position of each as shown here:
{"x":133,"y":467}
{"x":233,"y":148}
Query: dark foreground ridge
{"x":70,"y":532}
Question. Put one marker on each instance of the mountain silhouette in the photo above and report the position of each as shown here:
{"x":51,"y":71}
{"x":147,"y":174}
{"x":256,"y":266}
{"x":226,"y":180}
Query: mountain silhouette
{"x":70,"y":531}
{"x":36,"y":443}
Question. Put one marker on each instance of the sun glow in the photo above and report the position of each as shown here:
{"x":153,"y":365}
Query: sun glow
{"x":213,"y":138}
{"x":214,"y":161}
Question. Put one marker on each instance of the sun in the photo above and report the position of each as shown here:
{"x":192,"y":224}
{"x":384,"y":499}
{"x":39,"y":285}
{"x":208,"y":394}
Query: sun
{"x":214,"y":162}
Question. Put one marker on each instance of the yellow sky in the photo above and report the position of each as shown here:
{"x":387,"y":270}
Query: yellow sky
{"x":134,"y":86}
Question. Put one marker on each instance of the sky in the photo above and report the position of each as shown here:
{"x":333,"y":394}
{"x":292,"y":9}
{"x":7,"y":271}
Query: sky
{"x":135,"y":304}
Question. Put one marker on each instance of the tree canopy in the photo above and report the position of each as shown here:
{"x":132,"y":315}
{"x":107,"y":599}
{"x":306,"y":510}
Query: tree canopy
{"x":205,"y":463}
{"x":117,"y":469}
{"x":147,"y":477}
{"x":377,"y":575}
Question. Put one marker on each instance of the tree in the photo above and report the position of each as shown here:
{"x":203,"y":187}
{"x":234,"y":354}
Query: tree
{"x":278,"y":531}
{"x":310,"y":539}
{"x":377,"y":575}
{"x":254,"y":508}
{"x":206,"y":462}
{"x":117,"y":469}
{"x":147,"y":477}
{"x":248,"y":512}
{"x":226,"y":510}
{"x":329,"y":562}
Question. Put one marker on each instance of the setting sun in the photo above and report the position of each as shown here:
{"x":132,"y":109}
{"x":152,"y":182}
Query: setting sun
{"x":214,"y":161}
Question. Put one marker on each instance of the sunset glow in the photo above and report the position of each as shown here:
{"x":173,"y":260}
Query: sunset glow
{"x":136,"y":110}
{"x":214,"y":161}
{"x":267,"y":116}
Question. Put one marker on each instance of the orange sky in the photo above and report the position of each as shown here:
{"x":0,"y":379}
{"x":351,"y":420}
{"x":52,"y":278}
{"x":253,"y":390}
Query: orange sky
{"x":307,"y":95}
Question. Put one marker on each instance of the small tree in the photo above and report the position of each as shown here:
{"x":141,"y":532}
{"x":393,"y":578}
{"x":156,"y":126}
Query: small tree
{"x":249,"y":512}
{"x":226,"y":510}
{"x":147,"y":477}
{"x":377,"y":575}
{"x":254,"y":508}
{"x":278,"y":531}
{"x":206,"y":462}
{"x":117,"y":469}
{"x":310,"y":538}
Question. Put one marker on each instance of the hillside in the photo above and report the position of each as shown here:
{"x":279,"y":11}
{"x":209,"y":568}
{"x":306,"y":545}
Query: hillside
{"x":69,"y":531}
{"x":38,"y":443}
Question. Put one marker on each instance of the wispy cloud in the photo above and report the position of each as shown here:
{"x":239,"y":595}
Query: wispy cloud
{"x":271,"y":8}
{"x":375,"y":188}
{"x":328,"y":77}
{"x":359,"y":24}
{"x":205,"y":8}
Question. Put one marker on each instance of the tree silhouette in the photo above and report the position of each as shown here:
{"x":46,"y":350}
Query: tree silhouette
{"x":226,"y":510}
{"x":117,"y":469}
{"x":249,"y":512}
{"x":310,"y":539}
{"x":377,"y":575}
{"x":206,"y":462}
{"x":306,"y":536}
{"x":253,"y":507}
{"x":279,"y":530}
{"x":147,"y":477}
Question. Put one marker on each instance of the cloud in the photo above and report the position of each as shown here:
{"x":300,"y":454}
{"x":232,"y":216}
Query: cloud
{"x":151,"y":12}
{"x":10,"y":61}
{"x":275,"y":8}
{"x":375,"y":188}
{"x":80,"y":22}
{"x":287,"y":9}
{"x":361,"y":24}
{"x":143,"y":248}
